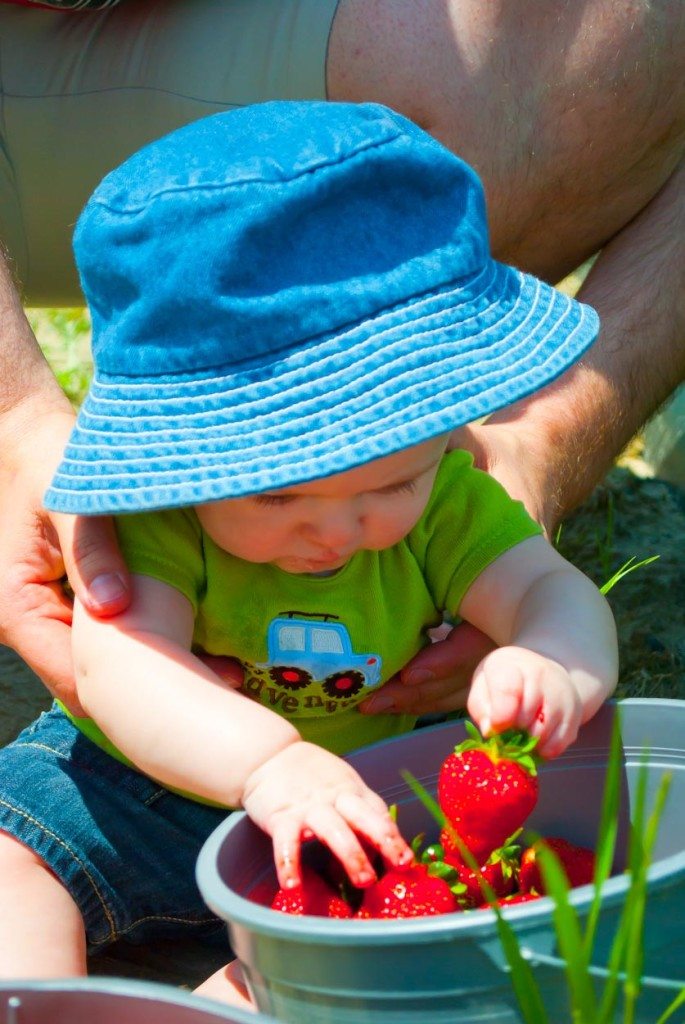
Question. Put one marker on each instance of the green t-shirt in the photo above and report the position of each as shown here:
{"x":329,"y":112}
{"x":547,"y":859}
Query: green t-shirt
{"x":313,"y":647}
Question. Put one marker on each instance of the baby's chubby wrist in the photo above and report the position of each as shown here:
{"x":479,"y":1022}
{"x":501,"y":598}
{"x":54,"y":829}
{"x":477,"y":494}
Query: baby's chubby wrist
{"x":278,"y":761}
{"x":260,"y":762}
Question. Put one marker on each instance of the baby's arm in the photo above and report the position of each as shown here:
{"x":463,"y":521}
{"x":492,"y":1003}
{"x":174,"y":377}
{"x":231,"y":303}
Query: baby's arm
{"x":557,"y":658}
{"x":182,"y":725}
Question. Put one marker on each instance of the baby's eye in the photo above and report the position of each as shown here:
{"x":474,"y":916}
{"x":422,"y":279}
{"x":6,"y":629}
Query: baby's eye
{"x":403,"y":487}
{"x":272,"y":500}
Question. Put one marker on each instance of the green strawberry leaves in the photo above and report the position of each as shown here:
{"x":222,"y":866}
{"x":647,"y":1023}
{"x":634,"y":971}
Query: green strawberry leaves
{"x":511,"y":745}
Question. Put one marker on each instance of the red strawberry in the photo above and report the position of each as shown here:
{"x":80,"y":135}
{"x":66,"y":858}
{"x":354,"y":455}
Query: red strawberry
{"x":487,"y":788}
{"x":408,"y":892}
{"x":577,"y":861}
{"x":499,"y":872}
{"x":313,"y":897}
{"x":517,"y":897}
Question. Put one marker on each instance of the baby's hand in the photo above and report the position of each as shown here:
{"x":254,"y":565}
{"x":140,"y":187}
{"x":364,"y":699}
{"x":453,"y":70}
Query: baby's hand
{"x":305,"y":791}
{"x":517,"y":688}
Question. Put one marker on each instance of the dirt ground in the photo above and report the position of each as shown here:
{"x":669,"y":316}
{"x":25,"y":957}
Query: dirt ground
{"x":628,"y":516}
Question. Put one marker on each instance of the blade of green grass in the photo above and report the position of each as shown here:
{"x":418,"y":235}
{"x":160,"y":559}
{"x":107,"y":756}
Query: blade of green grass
{"x":605,"y":544}
{"x":636,"y":854}
{"x":630,"y":566}
{"x":523,"y":980}
{"x":569,"y":938}
{"x":626,"y":956}
{"x":606,"y":847}
{"x":635,"y":944}
{"x":617,"y":953}
{"x":670,"y":1010}
{"x":607,"y":832}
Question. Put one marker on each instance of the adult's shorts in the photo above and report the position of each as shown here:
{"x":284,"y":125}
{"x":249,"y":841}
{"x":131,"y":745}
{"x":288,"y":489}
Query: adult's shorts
{"x":81,"y":91}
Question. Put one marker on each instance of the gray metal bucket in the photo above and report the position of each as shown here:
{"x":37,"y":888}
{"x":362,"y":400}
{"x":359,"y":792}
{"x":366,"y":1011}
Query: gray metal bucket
{"x":451,"y":968}
{"x":111,"y":1001}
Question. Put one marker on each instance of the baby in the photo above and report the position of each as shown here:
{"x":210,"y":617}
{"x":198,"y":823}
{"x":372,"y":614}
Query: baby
{"x":293,"y":306}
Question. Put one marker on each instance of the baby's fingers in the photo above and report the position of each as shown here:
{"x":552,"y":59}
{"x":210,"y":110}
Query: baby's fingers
{"x":496,"y":694}
{"x":556,"y":728}
{"x":352,"y":815}
{"x":339,"y":827}
{"x":370,"y":818}
{"x":286,"y":839}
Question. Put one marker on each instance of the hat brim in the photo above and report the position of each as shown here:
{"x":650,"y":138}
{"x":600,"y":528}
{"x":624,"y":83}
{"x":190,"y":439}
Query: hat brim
{"x":408,"y":374}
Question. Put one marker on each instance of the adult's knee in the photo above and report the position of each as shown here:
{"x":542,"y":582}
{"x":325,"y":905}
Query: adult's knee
{"x":407,"y":56}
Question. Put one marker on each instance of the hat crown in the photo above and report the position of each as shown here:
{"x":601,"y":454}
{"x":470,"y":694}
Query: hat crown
{"x":243,"y":236}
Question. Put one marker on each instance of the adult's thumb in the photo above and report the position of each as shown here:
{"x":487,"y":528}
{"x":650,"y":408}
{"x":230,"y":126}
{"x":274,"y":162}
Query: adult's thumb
{"x":93,"y":563}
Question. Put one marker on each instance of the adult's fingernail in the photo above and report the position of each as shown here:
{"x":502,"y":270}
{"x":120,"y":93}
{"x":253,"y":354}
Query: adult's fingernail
{"x":416,"y":676}
{"x":383,"y":702}
{"x":107,"y":588}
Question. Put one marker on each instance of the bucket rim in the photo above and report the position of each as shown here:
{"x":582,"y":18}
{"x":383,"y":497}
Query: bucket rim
{"x":127,"y":987}
{"x":236,"y":909}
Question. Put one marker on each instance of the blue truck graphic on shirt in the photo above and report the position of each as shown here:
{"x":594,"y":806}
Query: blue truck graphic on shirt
{"x":303,"y":650}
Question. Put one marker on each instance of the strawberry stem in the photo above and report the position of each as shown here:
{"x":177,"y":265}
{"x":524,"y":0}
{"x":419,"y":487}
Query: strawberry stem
{"x":511,"y":745}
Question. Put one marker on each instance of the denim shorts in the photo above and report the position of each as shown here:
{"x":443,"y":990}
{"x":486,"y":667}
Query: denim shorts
{"x":123,"y":845}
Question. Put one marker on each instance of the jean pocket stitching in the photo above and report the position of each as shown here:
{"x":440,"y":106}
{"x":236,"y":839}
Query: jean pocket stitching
{"x":53,"y":835}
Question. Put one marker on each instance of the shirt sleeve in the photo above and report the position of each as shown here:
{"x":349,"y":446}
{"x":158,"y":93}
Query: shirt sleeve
{"x":166,"y":545}
{"x":469,"y":522}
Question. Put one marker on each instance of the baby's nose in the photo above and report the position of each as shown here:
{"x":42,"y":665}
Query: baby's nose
{"x":338,"y":530}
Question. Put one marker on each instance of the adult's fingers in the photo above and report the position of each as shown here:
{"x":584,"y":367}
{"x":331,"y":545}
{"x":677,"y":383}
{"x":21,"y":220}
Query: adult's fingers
{"x":228,"y":669}
{"x":437,"y":679}
{"x":35,"y":613}
{"x":95,"y":568}
{"x":42,"y":637}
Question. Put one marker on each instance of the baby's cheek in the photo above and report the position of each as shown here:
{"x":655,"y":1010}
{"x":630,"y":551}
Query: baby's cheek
{"x":257,"y":548}
{"x":246,"y":542}
{"x":390,"y":530}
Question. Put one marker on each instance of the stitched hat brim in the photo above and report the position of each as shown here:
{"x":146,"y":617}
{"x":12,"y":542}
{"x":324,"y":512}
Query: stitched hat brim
{"x":406,"y":375}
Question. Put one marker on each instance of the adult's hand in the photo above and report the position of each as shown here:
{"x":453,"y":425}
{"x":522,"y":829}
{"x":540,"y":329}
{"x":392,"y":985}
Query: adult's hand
{"x":37,"y":551}
{"x":436,"y":680}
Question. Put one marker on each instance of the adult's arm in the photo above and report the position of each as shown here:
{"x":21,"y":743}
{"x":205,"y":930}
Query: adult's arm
{"x":552,"y":449}
{"x":36,"y":548}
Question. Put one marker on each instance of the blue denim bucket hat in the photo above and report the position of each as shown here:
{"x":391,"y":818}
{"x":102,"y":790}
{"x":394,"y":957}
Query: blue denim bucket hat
{"x":286,"y":291}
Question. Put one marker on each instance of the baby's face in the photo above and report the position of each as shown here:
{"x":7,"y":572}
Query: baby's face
{"x":316,"y":527}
